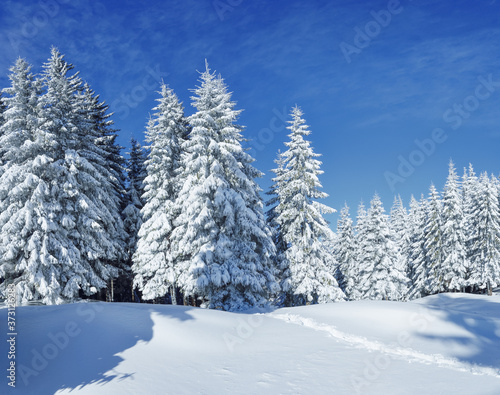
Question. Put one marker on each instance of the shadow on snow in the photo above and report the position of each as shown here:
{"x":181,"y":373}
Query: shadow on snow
{"x":480,"y":319}
{"x":71,"y":346}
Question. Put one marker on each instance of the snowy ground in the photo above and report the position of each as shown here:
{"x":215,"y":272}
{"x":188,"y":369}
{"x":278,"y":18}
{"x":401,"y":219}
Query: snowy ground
{"x":444,"y":344}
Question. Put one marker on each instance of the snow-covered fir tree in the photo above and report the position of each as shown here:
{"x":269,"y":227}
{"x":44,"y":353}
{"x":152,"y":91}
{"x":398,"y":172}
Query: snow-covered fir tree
{"x":132,"y":218}
{"x":454,"y":265}
{"x":272,"y":217}
{"x":136,"y":173}
{"x":3,"y":108}
{"x":398,"y":222}
{"x":433,"y":242}
{"x":383,"y":276}
{"x":16,"y":179}
{"x":485,"y":272}
{"x":362,"y":266}
{"x":345,"y":252}
{"x":59,"y":215}
{"x":106,"y":140}
{"x":416,"y":254}
{"x":470,"y":199}
{"x":222,"y":244}
{"x":98,"y":118}
{"x":308,"y":277}
{"x":154,"y":261}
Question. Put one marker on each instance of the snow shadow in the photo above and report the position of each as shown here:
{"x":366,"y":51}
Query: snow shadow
{"x":480,"y":321}
{"x":71,"y":346}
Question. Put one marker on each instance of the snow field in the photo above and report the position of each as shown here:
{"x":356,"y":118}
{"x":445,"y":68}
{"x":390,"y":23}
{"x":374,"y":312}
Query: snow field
{"x":444,"y":344}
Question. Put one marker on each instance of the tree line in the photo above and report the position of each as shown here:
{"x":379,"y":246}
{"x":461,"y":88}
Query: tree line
{"x":182,"y":220}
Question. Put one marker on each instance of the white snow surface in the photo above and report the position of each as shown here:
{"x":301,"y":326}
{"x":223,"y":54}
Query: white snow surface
{"x":443,"y":344}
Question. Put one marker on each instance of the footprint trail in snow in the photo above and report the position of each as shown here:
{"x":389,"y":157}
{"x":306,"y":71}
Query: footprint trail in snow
{"x":407,"y":354}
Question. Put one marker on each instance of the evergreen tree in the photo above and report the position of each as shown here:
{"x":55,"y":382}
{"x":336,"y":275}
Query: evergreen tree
{"x":59,"y":217}
{"x":154,"y":261}
{"x":136,"y":168}
{"x":382,"y":277}
{"x":398,"y":223}
{"x":344,"y":249}
{"x":272,"y":218}
{"x":470,"y":198}
{"x":3,"y":108}
{"x":486,"y":259}
{"x":101,"y":125}
{"x":416,"y":253}
{"x":222,"y":243}
{"x":399,"y":227}
{"x":136,"y":173}
{"x":433,"y":243}
{"x":106,"y":137}
{"x":362,"y":267}
{"x":16,"y":175}
{"x":132,"y":218}
{"x":304,"y":230}
{"x":454,"y":266}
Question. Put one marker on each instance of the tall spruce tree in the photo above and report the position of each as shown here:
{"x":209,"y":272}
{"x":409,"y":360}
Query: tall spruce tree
{"x":471,"y":201}
{"x":136,"y":173}
{"x":3,"y":108}
{"x":398,"y":222}
{"x":132,"y":218}
{"x":308,"y":278}
{"x":363,"y":266}
{"x":383,"y":276}
{"x":59,"y":215}
{"x":433,"y":242}
{"x":345,"y":252}
{"x":416,"y":253}
{"x":272,"y":219}
{"x":154,"y":261}
{"x":454,"y":266}
{"x":101,"y":125}
{"x":486,"y":258}
{"x":222,"y":243}
{"x":18,"y":192}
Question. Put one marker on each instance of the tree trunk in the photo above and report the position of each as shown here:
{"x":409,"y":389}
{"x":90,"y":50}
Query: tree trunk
{"x":173,"y":296}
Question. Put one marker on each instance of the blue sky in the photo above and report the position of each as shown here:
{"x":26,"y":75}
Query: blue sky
{"x":372,"y":77}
